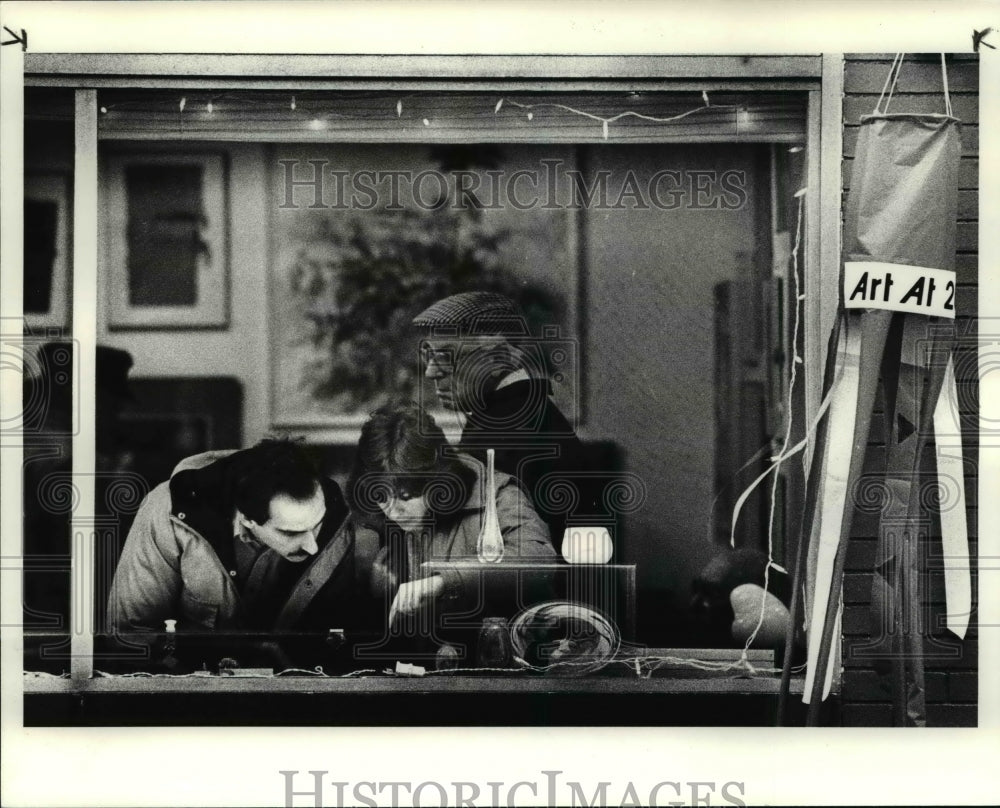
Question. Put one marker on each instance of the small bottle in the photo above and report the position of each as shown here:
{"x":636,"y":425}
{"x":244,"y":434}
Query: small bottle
{"x":489,"y":547}
{"x":494,"y":649}
{"x":447,"y":658}
{"x":335,"y":638}
{"x":170,"y":642}
{"x":169,"y":660}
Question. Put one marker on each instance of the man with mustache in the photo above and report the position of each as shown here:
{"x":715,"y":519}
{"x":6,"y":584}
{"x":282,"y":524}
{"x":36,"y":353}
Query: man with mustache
{"x":254,"y":540}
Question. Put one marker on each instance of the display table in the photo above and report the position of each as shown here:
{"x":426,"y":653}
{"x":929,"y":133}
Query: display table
{"x":680,"y":691}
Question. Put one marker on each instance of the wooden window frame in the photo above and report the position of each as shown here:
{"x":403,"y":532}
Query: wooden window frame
{"x":819,"y":76}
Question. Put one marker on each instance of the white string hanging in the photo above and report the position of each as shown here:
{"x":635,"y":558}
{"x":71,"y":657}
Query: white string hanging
{"x":781,"y":457}
{"x":892,"y":78}
{"x":796,"y":361}
{"x":606,"y":121}
{"x":947,"y":92}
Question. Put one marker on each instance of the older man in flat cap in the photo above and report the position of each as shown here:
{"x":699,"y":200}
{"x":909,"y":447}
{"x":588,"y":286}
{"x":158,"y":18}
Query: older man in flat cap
{"x":479,"y":353}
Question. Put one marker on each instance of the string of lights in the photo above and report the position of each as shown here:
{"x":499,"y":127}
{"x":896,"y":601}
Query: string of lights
{"x":319,"y":111}
{"x":607,"y":121}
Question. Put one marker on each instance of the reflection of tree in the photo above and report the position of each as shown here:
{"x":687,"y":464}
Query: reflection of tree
{"x":359,"y":283}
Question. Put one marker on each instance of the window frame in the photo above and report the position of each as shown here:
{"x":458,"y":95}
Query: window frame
{"x":212,"y":274}
{"x":820,"y":76}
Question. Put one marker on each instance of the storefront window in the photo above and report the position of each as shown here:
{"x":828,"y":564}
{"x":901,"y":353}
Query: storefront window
{"x":652,"y":237}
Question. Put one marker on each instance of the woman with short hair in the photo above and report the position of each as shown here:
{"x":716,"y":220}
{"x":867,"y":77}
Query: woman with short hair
{"x":427,"y":502}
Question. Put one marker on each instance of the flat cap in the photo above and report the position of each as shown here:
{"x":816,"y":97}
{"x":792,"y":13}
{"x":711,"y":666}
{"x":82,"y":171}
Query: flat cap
{"x":476,"y":313}
{"x":56,"y":361}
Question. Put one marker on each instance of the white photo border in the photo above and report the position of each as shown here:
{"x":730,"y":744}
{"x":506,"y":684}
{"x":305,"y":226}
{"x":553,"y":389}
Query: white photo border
{"x":214,"y":766}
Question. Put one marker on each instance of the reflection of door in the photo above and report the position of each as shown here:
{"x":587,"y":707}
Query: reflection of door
{"x":174,"y":418}
{"x":746,"y":360}
{"x":754,"y":326}
{"x":650,"y":350}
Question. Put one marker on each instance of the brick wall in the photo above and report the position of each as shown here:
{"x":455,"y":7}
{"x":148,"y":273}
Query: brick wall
{"x":950,"y":664}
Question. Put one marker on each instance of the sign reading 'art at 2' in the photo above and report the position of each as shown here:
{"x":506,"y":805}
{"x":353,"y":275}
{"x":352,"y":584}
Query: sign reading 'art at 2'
{"x":899,"y":287}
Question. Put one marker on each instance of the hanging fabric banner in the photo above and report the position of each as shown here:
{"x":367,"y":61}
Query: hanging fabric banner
{"x":899,"y":250}
{"x":954,"y":530}
{"x":901,"y":208}
{"x":847,"y":436}
{"x":833,"y":498}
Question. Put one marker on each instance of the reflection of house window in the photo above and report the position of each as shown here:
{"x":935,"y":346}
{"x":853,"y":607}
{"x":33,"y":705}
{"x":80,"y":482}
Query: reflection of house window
{"x":40,"y":222}
{"x":166,"y":244}
{"x":164,"y":234}
{"x":46,"y":250}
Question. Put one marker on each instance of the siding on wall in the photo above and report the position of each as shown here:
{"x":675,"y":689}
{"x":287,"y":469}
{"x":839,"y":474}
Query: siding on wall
{"x":951,"y":665}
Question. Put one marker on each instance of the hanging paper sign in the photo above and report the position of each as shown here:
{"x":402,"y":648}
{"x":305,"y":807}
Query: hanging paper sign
{"x":899,"y":287}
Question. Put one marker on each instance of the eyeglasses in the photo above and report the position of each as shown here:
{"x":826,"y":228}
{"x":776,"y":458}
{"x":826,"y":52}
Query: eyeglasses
{"x":442,"y":357}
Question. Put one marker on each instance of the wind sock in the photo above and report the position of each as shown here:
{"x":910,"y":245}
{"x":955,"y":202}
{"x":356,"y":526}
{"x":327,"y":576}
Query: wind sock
{"x":898,"y":296}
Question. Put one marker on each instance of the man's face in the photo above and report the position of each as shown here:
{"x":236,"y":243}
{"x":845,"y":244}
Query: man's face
{"x":462,"y":370}
{"x":293,"y":526}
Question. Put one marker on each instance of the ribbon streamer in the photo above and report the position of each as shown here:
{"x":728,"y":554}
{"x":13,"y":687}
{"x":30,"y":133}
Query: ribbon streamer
{"x":954,"y":530}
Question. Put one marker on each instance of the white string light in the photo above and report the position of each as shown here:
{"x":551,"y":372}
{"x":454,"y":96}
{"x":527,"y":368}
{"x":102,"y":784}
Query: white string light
{"x":320,"y":119}
{"x":742,"y":120}
{"x":743,"y":116}
{"x":607,"y":121}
